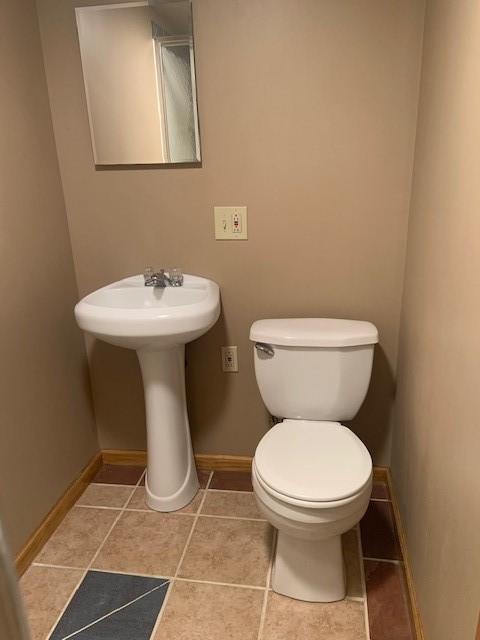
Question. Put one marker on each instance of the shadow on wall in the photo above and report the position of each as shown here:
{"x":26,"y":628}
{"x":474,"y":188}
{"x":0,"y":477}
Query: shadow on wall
{"x":87,"y":392}
{"x":227,"y":415}
{"x":372,"y":423}
{"x":209,"y":389}
{"x":118,"y":396}
{"x":118,"y":392}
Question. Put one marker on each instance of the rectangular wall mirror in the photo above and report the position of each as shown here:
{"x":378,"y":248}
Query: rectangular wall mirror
{"x":139,"y":74}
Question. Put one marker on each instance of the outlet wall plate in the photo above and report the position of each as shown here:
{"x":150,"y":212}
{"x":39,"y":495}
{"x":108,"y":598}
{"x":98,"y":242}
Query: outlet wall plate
{"x":229,"y":359}
{"x":230,"y":223}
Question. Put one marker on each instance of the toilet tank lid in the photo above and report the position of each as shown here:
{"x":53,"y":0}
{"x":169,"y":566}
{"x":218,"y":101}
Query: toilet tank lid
{"x":314,"y":332}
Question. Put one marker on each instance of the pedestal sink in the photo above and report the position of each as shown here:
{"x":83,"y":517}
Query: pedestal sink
{"x":157,"y":323}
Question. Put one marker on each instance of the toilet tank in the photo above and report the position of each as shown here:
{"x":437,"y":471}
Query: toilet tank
{"x":313,"y":368}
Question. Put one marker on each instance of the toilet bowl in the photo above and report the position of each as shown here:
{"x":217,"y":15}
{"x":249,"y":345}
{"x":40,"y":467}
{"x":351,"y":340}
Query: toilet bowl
{"x":312,"y":481}
{"x":311,"y":475}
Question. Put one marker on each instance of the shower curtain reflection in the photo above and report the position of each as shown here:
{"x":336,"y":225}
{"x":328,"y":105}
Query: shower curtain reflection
{"x":177,"y":87}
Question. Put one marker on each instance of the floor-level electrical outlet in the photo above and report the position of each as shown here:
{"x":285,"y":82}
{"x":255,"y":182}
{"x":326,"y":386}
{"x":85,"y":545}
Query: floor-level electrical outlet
{"x":229,"y":359}
{"x":230,"y":223}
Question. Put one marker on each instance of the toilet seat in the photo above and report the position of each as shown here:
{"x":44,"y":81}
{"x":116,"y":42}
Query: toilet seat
{"x":312,"y":464}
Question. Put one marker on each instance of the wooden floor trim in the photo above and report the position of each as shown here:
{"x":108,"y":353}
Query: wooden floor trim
{"x":225,"y":463}
{"x":121,"y":456}
{"x":55,"y":516}
{"x":380,"y":474}
{"x":417,"y":623}
{"x":203,"y":460}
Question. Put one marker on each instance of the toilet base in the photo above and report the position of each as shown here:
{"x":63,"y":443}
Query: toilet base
{"x":310,"y":570}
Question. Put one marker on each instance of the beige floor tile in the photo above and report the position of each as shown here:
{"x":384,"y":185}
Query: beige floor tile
{"x":145,"y":542}
{"x":78,"y":537}
{"x":101,"y":495}
{"x":289,"y":619}
{"x":233,"y":551}
{"x":45,"y":593}
{"x":231,"y":503}
{"x":209,"y":612}
{"x":351,"y":556}
{"x":138,"y":502}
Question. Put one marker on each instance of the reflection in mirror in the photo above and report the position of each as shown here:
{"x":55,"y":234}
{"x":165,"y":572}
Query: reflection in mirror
{"x":139,"y":74}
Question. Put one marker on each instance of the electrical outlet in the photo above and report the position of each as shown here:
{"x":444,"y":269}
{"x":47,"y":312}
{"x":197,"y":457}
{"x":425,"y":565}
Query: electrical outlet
{"x":229,"y":359}
{"x":230,"y":223}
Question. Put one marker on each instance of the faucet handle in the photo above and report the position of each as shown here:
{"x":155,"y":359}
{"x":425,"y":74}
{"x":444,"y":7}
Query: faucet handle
{"x":148,"y":274}
{"x":176,"y":277}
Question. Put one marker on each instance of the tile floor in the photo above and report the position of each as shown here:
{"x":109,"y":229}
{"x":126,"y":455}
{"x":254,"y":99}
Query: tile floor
{"x":114,"y":570}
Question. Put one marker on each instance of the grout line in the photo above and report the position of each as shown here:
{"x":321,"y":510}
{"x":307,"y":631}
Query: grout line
{"x":77,"y":586}
{"x":111,"y":613}
{"x":212,"y":515}
{"x":85,"y":571}
{"x":379,"y":500}
{"x":124,"y":573}
{"x":195,"y":520}
{"x":230,"y":491}
{"x":161,"y":612}
{"x":56,"y":566}
{"x":391,"y":561}
{"x":175,"y":577}
{"x":209,"y":482}
{"x":173,"y":513}
{"x":160,"y":577}
{"x":171,"y":578}
{"x":189,"y":515}
{"x":122,"y":511}
{"x":363,"y":582}
{"x":114,"y":484}
{"x":220,"y":584}
{"x":263,"y":614}
{"x":97,"y":506}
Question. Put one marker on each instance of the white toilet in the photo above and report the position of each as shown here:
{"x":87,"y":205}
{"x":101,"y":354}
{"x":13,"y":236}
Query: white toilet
{"x":312,"y":476}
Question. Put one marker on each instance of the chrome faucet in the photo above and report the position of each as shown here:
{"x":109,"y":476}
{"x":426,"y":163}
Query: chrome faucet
{"x":162,"y":279}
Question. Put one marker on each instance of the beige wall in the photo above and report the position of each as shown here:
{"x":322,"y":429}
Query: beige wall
{"x":307,"y":116}
{"x":436,"y":448}
{"x":47,"y":431}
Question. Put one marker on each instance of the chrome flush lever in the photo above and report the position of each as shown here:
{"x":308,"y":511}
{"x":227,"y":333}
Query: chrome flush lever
{"x":265,"y":348}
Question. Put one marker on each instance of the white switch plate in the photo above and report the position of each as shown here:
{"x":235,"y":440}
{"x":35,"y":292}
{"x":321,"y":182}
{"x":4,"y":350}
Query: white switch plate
{"x":229,"y":359}
{"x":230,"y":223}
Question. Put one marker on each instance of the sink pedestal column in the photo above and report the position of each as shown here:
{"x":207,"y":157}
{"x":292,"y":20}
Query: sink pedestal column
{"x":171,"y":480}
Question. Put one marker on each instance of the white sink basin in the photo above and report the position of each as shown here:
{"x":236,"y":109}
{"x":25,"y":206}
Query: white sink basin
{"x":129,"y":314}
{"x":157,"y":323}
